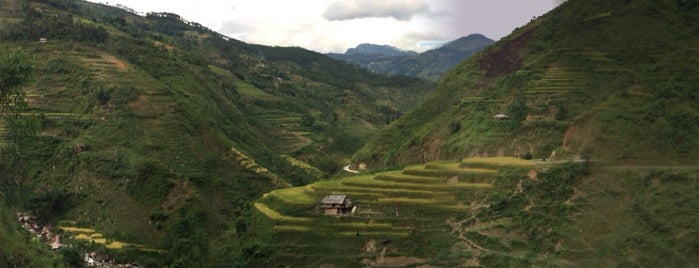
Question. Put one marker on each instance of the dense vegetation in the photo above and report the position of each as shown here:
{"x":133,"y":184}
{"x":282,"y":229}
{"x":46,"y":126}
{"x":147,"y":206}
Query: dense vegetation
{"x":156,"y":133}
{"x":581,"y":80}
{"x":155,"y":140}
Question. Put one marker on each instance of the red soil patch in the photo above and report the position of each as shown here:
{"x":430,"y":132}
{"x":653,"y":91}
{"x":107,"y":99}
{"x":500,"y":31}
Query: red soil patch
{"x":121,"y":66}
{"x":505,"y":59}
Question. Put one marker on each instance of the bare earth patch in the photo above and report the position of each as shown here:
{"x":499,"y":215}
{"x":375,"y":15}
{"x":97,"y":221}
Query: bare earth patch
{"x":121,"y":66}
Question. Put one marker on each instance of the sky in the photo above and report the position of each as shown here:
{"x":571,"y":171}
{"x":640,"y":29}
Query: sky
{"x":336,"y":25}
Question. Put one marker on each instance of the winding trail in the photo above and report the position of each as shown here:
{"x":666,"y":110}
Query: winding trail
{"x":348,"y":169}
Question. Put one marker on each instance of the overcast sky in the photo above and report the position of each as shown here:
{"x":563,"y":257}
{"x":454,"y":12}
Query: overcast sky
{"x":336,"y":25}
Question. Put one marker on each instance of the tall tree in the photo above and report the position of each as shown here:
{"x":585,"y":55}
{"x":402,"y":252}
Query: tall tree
{"x":15,"y":73}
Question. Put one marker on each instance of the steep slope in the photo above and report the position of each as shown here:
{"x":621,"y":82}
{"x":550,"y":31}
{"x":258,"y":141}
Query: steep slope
{"x":581,"y":81}
{"x":485,"y":212}
{"x":428,"y":65}
{"x":157,"y":132}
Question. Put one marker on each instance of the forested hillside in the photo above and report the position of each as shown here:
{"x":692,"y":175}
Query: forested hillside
{"x":582,"y":81}
{"x":155,"y":133}
{"x":568,"y":143}
{"x":430,"y":64}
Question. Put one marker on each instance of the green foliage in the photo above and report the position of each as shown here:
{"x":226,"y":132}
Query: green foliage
{"x":16,"y":131}
{"x":15,"y":72}
{"x":18,"y":248}
{"x":136,"y":117}
{"x":567,"y":76}
{"x":59,"y":26}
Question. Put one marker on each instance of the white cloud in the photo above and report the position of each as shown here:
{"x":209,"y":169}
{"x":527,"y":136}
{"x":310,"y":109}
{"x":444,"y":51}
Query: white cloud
{"x":335,"y":25}
{"x":403,"y":10}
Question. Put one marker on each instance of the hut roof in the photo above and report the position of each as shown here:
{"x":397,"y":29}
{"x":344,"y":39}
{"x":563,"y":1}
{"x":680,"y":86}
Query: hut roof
{"x":333,"y":199}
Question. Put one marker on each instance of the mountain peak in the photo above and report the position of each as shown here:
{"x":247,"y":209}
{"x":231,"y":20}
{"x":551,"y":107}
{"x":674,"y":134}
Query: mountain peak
{"x":373,"y":49}
{"x":469,"y":42}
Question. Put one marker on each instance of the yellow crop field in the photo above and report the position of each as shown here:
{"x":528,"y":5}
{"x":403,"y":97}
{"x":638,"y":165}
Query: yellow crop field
{"x":378,"y":233}
{"x":410,"y":201}
{"x":499,"y":161}
{"x":293,"y":228}
{"x":116,"y":245}
{"x":272,"y":214}
{"x":77,"y":230}
{"x":296,"y":195}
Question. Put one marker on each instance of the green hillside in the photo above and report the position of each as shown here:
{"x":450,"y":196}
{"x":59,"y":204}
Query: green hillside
{"x":154,"y":140}
{"x":581,"y":81}
{"x":485,"y":212}
{"x":157,"y":133}
{"x":602,"y":95}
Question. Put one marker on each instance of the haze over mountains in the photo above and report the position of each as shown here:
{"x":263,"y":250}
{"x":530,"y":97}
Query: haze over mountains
{"x":428,"y":65}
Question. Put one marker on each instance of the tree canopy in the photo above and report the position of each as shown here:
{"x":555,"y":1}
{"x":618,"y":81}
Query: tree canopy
{"x":15,"y":72}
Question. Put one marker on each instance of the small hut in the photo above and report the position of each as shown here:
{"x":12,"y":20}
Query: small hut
{"x":336,"y":205}
{"x":501,"y":117}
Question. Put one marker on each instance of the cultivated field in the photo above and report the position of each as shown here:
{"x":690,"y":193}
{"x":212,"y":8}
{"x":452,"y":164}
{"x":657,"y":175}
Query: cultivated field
{"x":402,"y":216}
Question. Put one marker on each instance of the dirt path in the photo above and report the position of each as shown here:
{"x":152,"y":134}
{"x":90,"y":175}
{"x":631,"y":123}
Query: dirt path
{"x":350,"y":170}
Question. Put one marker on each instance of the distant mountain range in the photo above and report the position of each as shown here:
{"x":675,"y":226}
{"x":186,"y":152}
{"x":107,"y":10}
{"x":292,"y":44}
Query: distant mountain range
{"x":428,"y":65}
{"x":379,"y":50}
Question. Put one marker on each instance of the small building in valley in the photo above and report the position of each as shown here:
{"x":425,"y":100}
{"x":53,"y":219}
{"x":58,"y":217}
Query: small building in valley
{"x":336,"y":205}
{"x":501,"y":117}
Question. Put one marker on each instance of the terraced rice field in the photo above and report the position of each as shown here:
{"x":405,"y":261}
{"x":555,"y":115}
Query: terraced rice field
{"x":3,"y":134}
{"x":92,"y":236}
{"x":399,"y":206}
{"x":556,"y":80}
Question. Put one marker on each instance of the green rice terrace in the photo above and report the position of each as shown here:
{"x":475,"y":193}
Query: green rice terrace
{"x":475,"y":212}
{"x":403,"y":218}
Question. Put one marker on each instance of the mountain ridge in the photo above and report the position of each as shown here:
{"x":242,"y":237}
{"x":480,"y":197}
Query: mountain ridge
{"x":428,"y":65}
{"x":550,"y":82}
{"x":593,"y":166}
{"x":159,"y":132}
{"x":373,"y":49}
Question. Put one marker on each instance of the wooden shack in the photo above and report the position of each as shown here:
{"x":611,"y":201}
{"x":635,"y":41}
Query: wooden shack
{"x":501,"y":117}
{"x":336,"y":205}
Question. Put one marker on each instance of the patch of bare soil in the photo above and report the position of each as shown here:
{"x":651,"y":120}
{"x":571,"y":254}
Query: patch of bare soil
{"x":453,"y":180}
{"x":501,"y":152}
{"x":578,"y":135}
{"x":370,"y":245}
{"x":532,"y":174}
{"x":120,"y":65}
{"x":505,"y":59}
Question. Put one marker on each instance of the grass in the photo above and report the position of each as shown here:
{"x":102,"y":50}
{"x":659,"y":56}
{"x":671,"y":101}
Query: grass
{"x":392,"y":204}
{"x":251,"y":91}
{"x":77,"y":230}
{"x":498,"y":162}
{"x":272,"y":214}
{"x":92,"y":236}
{"x":295,"y":195}
{"x":415,"y":186}
{"x":443,"y":223}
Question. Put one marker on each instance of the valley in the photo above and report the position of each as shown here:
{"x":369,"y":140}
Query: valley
{"x":153,"y":140}
{"x":474,"y":212}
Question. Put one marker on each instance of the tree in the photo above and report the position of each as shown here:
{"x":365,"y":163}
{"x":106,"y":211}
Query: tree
{"x":15,"y":72}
